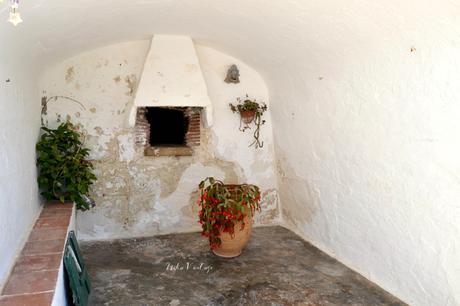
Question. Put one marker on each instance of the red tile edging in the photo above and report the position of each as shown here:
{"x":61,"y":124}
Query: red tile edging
{"x":33,"y":279}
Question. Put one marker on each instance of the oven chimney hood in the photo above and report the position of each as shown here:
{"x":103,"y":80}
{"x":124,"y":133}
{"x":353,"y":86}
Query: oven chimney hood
{"x":172,"y":77}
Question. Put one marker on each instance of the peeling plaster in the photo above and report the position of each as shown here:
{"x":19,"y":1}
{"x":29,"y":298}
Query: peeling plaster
{"x":69,"y":75}
{"x":99,"y":130}
{"x":139,"y":195}
{"x":131,"y":82}
{"x":363,"y":118}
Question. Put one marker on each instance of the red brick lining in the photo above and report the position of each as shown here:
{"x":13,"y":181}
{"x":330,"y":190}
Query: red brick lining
{"x":192,"y":137}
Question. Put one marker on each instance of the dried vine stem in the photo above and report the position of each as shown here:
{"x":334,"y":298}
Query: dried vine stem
{"x":251,"y":106}
{"x":46,"y":101}
{"x":258,"y":122}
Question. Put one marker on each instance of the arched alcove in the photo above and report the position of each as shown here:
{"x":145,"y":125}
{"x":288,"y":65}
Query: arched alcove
{"x":139,"y":194}
{"x":364,"y":108}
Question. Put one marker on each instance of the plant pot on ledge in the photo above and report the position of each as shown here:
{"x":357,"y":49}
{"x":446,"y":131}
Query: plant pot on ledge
{"x":65,"y":173}
{"x":226,"y":215}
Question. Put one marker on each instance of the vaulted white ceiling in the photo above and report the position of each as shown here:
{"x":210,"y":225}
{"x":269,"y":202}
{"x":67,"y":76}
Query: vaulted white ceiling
{"x":364,"y":98}
{"x":274,"y":36}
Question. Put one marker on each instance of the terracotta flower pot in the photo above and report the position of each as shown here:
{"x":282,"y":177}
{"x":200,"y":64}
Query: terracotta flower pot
{"x":232,"y":246}
{"x":248,"y":116}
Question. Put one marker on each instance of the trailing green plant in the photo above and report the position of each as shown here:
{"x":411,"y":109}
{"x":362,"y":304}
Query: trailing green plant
{"x":224,"y":206}
{"x":65,"y":173}
{"x":250,"y":111}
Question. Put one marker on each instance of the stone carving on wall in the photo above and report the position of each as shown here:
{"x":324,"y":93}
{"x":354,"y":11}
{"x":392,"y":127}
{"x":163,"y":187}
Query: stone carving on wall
{"x":233,"y":75}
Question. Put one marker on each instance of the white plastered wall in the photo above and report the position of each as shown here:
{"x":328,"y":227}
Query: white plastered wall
{"x":366,"y":130}
{"x":19,"y":126}
{"x":368,"y":148}
{"x":139,"y":195}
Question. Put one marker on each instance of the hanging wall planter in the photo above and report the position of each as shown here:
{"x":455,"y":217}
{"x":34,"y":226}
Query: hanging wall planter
{"x":226,"y":215}
{"x":250,"y":111}
{"x":248,"y":116}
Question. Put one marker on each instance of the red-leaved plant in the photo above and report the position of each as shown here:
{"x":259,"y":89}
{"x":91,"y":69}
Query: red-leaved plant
{"x":224,"y":206}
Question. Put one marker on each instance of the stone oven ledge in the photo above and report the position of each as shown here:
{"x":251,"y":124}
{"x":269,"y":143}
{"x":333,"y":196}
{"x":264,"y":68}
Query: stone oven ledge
{"x":38,"y":275}
{"x":168,"y":151}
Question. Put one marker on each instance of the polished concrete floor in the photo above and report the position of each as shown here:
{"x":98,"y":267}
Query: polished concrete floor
{"x":276,"y":268}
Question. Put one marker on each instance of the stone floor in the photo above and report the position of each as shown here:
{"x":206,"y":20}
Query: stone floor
{"x":276,"y":268}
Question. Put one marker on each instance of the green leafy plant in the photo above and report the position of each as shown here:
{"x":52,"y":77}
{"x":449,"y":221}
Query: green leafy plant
{"x":250,"y":111}
{"x":65,"y":174}
{"x":224,"y":206}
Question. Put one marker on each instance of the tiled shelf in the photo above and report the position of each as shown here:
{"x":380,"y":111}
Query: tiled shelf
{"x":33,"y":279}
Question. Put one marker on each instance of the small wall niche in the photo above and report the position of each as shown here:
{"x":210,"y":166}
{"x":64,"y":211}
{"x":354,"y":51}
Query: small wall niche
{"x":168,"y":131}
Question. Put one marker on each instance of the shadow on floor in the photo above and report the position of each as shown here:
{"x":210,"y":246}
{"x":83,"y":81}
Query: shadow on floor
{"x":276,"y":268}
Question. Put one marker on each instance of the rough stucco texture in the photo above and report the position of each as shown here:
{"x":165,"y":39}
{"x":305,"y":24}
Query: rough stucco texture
{"x":139,"y":195}
{"x":364,"y":97}
{"x":369,"y":171}
{"x":19,"y":124}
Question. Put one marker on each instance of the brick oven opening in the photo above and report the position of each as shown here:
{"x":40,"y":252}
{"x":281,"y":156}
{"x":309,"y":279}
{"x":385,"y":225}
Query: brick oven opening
{"x":168,"y":131}
{"x":168,"y":126}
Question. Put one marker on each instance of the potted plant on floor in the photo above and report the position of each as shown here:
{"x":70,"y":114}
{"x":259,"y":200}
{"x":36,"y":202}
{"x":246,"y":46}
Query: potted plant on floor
{"x":250,"y":111}
{"x":226,"y":215}
{"x":65,"y":173}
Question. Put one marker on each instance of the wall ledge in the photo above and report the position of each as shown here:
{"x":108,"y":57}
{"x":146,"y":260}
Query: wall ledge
{"x":168,"y":151}
{"x":34,"y":278}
